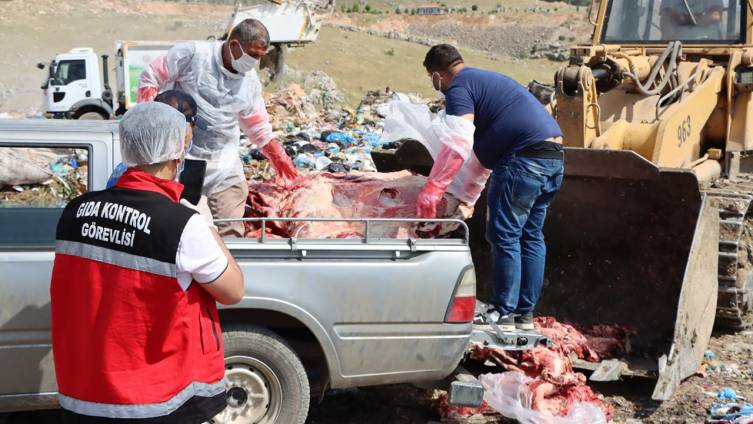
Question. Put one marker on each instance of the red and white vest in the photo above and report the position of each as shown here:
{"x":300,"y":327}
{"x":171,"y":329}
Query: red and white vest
{"x":128,"y":341}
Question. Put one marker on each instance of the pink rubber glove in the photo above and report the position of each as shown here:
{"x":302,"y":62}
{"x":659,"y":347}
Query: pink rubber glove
{"x":281,"y":162}
{"x":446,"y":167}
{"x":146,"y":94}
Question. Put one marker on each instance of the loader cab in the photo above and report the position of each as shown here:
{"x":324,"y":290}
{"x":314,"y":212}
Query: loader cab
{"x":74,"y":86}
{"x":696,"y":22}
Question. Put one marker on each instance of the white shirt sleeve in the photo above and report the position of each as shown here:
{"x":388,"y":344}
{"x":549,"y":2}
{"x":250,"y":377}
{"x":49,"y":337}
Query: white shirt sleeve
{"x":199,"y":256}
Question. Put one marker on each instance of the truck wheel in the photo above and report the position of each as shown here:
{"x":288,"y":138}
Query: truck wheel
{"x":265,"y":379}
{"x":91,"y":116}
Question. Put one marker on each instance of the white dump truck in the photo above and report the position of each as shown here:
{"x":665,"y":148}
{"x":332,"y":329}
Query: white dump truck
{"x":76,"y":87}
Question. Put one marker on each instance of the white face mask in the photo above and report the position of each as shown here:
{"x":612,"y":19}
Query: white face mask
{"x":244,"y":64}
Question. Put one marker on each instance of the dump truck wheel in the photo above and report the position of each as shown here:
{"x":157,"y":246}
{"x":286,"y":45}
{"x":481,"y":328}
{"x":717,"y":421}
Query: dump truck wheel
{"x":266,"y":380}
{"x":91,"y":116}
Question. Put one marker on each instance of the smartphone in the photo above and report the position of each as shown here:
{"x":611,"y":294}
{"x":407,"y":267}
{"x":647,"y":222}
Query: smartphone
{"x":192,"y":178}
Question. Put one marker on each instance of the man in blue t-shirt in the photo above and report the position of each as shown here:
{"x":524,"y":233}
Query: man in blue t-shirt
{"x":521,"y":143}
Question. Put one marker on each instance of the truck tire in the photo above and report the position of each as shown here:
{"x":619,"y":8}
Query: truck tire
{"x":91,"y":116}
{"x":266,"y":380}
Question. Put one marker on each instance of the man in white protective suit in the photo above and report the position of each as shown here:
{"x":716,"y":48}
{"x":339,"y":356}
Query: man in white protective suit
{"x":221,"y":77}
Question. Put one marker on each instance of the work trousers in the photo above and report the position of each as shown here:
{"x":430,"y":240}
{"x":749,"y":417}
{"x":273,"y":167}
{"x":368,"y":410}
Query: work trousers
{"x":520,"y":191}
{"x":230,"y":203}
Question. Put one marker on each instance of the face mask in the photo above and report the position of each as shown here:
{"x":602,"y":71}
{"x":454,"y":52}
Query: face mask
{"x":244,"y":64}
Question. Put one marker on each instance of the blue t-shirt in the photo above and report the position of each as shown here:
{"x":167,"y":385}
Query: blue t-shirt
{"x":507,"y":117}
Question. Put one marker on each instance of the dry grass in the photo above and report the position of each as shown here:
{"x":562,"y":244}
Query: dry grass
{"x":359,"y":62}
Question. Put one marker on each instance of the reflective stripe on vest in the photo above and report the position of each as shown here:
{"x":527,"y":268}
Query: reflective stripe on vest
{"x":148,"y":410}
{"x":116,"y":257}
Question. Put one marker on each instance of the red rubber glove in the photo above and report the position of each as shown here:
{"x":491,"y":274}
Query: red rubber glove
{"x":445,"y":168}
{"x":281,"y":162}
{"x":146,"y":94}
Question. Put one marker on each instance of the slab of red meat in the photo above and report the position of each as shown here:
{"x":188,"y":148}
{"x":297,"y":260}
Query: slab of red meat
{"x":590,"y":343}
{"x":609,"y":340}
{"x":353,"y":195}
{"x":555,"y":386}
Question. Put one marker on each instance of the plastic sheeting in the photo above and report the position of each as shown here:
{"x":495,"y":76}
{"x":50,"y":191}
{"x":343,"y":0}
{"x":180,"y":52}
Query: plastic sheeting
{"x":406,"y":120}
{"x":508,"y":394}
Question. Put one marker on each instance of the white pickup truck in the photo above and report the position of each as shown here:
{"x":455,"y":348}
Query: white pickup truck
{"x":317,"y":314}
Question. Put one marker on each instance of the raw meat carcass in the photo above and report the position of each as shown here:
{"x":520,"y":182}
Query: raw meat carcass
{"x":555,"y":387}
{"x":353,"y":195}
{"x":591,"y":343}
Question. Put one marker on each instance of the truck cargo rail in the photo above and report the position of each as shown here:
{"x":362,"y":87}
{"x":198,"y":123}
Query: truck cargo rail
{"x":367,"y":223}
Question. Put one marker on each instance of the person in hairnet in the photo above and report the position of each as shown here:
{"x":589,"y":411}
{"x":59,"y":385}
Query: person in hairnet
{"x":179,"y":101}
{"x":221,"y":78}
{"x":134,"y":286}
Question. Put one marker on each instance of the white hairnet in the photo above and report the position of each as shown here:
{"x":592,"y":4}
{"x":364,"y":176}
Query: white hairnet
{"x":151,"y":133}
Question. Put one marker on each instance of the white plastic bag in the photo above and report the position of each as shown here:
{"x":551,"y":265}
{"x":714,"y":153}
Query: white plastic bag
{"x":24,"y":165}
{"x":415,"y":121}
{"x":509,"y":395}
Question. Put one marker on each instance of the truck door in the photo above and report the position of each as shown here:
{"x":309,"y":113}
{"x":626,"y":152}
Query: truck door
{"x":68,"y":85}
{"x":37,"y":179}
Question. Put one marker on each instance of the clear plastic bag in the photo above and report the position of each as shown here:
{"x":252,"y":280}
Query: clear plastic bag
{"x":407,"y":120}
{"x":509,"y":395}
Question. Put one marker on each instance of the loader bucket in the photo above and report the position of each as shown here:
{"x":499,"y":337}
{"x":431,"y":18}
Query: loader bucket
{"x":637,"y":245}
{"x":627,"y":243}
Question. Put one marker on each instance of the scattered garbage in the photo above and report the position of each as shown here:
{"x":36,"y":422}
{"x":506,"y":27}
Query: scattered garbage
{"x":320,"y":132}
{"x":736,"y":413}
{"x":726,"y":393}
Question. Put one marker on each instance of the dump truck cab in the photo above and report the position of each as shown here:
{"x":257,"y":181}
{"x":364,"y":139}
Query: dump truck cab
{"x":74,"y":86}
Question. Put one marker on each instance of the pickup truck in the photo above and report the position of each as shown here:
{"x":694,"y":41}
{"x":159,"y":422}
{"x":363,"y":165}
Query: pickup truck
{"x":317,"y":314}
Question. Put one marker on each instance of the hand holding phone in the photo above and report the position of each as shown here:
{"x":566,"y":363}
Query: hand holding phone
{"x":192,"y":178}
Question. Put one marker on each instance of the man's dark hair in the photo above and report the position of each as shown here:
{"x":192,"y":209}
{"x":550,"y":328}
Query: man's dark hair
{"x":181,"y":101}
{"x":441,"y":58}
{"x":249,"y":30}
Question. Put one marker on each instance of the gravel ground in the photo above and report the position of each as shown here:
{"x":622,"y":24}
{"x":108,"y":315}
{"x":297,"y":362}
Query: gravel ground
{"x":407,"y":404}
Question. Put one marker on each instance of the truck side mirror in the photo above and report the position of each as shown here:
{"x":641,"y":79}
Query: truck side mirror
{"x":40,"y":65}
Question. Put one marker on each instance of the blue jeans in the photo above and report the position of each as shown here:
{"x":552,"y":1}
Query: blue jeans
{"x":520,"y":191}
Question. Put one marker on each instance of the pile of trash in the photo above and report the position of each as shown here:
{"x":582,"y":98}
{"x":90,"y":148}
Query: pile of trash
{"x":320,"y":132}
{"x":42,"y":176}
{"x":540,"y":384}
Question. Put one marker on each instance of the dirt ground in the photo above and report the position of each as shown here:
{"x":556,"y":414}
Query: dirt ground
{"x":408,"y":404}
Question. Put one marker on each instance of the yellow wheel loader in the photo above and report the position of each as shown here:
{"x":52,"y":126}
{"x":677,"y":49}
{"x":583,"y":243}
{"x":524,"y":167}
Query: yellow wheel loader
{"x":652,"y":226}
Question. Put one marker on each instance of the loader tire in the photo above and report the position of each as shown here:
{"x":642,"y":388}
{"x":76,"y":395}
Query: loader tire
{"x":266,"y":380}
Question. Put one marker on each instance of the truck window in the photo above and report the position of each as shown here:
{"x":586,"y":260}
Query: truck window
{"x":662,"y":21}
{"x":35,"y":184}
{"x":69,"y":71}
